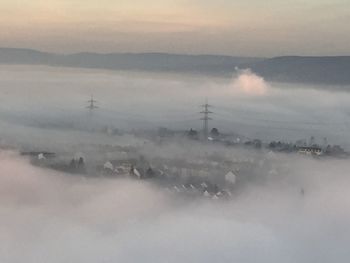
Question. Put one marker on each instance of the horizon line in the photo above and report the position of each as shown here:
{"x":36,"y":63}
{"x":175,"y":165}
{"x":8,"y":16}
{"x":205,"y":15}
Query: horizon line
{"x":166,"y":53}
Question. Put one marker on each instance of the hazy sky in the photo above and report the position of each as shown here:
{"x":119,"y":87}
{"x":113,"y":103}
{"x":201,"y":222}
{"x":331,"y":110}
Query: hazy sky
{"x":249,"y":27}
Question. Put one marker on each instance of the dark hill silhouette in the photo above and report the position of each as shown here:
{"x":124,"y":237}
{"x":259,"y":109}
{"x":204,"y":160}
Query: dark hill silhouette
{"x":320,"y":70}
{"x":208,"y":64}
{"x":317,"y":70}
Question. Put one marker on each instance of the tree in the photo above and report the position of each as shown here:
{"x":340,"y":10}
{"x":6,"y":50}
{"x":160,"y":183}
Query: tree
{"x":193,"y":134}
{"x":214,"y":132}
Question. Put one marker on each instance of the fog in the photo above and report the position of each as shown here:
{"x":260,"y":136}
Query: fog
{"x":291,"y":208}
{"x":36,"y":101}
{"x":52,"y":217}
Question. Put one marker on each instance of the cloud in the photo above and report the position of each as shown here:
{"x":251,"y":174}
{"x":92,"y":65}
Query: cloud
{"x":249,"y":83}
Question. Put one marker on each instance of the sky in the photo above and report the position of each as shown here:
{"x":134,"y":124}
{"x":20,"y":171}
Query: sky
{"x":241,"y":28}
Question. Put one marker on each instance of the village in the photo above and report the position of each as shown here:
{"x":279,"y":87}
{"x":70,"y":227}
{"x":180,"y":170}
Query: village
{"x":210,"y":163}
{"x":221,"y":165}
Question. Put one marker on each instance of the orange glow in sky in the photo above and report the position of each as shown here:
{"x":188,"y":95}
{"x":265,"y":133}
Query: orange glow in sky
{"x":251,"y":27}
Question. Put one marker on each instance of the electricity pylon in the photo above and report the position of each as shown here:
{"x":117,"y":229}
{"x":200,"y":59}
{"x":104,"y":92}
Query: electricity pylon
{"x":206,"y":118}
{"x":92,"y":103}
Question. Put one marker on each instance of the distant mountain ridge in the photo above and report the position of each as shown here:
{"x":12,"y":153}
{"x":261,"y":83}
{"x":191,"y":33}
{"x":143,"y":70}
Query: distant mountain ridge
{"x":318,"y":70}
{"x":127,"y":61}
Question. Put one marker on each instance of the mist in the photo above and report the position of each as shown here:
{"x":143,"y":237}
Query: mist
{"x":48,"y":216}
{"x":283,"y":208}
{"x":42,"y":102}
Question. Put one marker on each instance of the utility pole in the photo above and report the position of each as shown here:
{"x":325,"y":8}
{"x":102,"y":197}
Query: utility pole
{"x":92,"y":103}
{"x":206,"y":119}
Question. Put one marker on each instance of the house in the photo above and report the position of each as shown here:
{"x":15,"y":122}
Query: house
{"x":108,"y":166}
{"x":310,"y":150}
{"x":231,"y":178}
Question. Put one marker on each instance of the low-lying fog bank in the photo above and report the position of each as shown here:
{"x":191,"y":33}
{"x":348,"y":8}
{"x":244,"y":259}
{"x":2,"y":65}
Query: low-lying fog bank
{"x":39,"y":100}
{"x":53,"y":217}
{"x":291,"y":208}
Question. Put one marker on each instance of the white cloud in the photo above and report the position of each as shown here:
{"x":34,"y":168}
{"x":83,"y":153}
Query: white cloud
{"x":249,"y":83}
